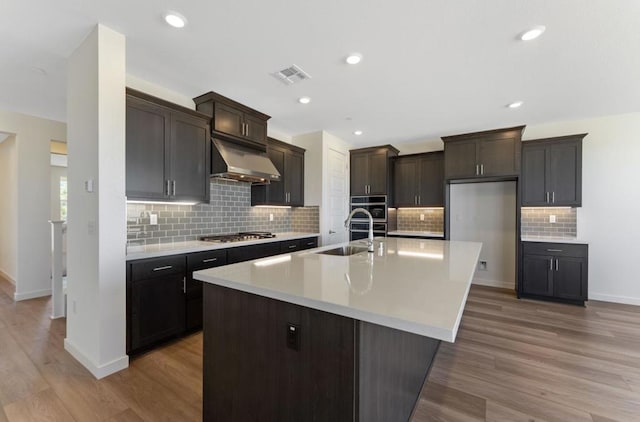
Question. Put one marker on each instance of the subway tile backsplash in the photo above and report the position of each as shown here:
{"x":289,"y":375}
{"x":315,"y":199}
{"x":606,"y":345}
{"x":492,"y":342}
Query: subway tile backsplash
{"x":229,"y":211}
{"x":535,"y":222}
{"x":409,"y":219}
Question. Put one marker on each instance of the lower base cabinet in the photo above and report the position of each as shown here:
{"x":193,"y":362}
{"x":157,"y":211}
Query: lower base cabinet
{"x":165,"y":302}
{"x":554,"y":271}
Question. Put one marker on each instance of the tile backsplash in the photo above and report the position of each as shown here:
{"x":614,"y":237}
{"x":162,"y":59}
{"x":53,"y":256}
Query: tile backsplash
{"x":535,"y":222}
{"x":229,"y":211}
{"x":409,"y":219}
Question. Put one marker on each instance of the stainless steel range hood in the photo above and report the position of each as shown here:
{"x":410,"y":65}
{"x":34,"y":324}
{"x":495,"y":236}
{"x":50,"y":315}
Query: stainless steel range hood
{"x":236,"y":162}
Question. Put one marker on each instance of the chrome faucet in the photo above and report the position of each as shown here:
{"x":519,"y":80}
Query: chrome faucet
{"x":348,"y":221}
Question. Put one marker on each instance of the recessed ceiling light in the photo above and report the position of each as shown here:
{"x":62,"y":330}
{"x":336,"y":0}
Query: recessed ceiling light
{"x":533,"y":33}
{"x":175,"y":19}
{"x":354,"y":58}
{"x":515,"y":104}
{"x":304,"y":100}
{"x":357,"y":132}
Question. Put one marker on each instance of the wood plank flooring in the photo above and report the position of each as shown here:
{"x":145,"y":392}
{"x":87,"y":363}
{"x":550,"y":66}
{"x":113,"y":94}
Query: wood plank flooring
{"x":513,"y":360}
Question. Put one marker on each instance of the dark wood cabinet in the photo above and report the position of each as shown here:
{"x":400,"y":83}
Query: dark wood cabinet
{"x":371,"y":171}
{"x":419,"y":180}
{"x":246,"y":253}
{"x":556,"y":271}
{"x":166,"y":150}
{"x":552,"y":171}
{"x":289,"y":161}
{"x":157,"y":300}
{"x":492,"y":154}
{"x":232,"y":120}
{"x":193,"y":291}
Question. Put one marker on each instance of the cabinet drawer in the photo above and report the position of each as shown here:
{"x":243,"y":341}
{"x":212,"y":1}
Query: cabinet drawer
{"x":209,"y":259}
{"x":157,"y":267}
{"x":308,"y":243}
{"x":289,"y":246}
{"x":555,"y":249}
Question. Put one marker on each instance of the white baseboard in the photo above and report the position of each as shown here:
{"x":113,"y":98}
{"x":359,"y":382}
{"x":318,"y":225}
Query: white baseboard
{"x":6,"y":275}
{"x":494,"y":283}
{"x":98,"y":371}
{"x":31,"y":295}
{"x":626,"y":300}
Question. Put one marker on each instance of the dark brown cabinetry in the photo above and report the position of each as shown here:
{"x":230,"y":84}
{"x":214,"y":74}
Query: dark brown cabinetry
{"x":289,"y":161}
{"x":193,"y":291}
{"x":419,"y":180}
{"x":492,"y":154}
{"x":370,"y":170}
{"x":233,"y":120}
{"x":167,"y":148}
{"x":552,"y":171}
{"x":554,"y":271}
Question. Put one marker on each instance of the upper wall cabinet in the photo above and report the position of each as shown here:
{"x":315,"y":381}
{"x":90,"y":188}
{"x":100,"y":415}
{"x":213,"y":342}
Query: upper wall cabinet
{"x":418,"y":180}
{"x":370,"y":170}
{"x":233,"y":120}
{"x":552,"y":172}
{"x":480,"y":155}
{"x":289,"y":161}
{"x":167,"y":147}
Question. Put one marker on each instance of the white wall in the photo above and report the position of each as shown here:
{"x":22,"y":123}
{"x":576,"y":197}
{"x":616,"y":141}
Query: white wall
{"x":608,"y":219}
{"x":33,"y":239}
{"x":57,"y":173}
{"x":8,"y":208}
{"x":486,"y":212}
{"x":96,"y":290}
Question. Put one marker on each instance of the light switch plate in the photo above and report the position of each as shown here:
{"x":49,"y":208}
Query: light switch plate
{"x":153,"y":219}
{"x":421,"y":217}
{"x":552,"y":219}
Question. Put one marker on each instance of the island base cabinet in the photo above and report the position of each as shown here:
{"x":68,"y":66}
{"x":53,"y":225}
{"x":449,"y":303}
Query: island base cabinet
{"x":269,"y":360}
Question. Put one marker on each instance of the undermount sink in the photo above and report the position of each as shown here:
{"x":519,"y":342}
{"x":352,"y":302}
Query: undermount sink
{"x":344,"y":251}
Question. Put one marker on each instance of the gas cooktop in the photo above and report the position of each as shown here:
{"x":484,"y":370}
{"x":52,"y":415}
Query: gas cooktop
{"x":237,"y":237}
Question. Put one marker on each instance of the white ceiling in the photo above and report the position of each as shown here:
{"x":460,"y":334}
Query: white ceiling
{"x":430,"y":68}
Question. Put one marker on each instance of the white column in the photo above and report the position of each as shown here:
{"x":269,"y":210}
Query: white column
{"x":96,"y":233}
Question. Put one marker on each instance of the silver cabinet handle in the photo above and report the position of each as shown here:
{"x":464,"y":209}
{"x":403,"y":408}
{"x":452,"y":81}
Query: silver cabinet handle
{"x":554,"y":250}
{"x":173,"y":187}
{"x":184,"y":285}
{"x":168,"y":183}
{"x":166,"y":267}
{"x":415,"y":200}
{"x":247,"y":134}
{"x":292,"y":246}
{"x":550,"y":264}
{"x":419,"y":200}
{"x":556,"y":265}
{"x":547,"y":201}
{"x":204,"y":261}
{"x":311,"y":243}
{"x":482,"y":169}
{"x":331,"y":232}
{"x":553,"y":197}
{"x":477,"y":170}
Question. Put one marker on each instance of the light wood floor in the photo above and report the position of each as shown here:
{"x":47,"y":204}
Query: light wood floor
{"x":513,"y":361}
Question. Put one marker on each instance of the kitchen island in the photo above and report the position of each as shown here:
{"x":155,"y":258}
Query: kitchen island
{"x":314,"y":336}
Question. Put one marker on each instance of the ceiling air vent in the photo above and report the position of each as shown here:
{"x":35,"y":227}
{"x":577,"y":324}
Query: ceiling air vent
{"x":291,"y":75}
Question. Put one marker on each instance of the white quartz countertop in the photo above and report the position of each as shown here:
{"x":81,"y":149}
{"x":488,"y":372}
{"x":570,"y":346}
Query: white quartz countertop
{"x":553,"y":240}
{"x":416,"y":234}
{"x":414,"y":285}
{"x":176,"y":248}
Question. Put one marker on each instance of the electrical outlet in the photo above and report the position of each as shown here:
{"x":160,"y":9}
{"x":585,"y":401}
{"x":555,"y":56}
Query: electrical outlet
{"x":552,"y":219}
{"x":482,"y":265}
{"x":153,"y":219}
{"x":421,"y":217}
{"x":270,"y":217}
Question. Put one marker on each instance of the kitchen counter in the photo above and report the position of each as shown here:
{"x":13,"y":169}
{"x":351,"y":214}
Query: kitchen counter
{"x":554,"y":240}
{"x":414,"y":285}
{"x":309,"y":336}
{"x":415,"y":234}
{"x":176,"y":248}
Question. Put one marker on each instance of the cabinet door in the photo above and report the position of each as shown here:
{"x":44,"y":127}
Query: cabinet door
{"x":308,"y":243}
{"x":157,"y":309}
{"x":535,"y":174}
{"x":431,"y":175}
{"x":378,"y":165}
{"x":294,"y":177}
{"x":497,"y":157}
{"x":460,"y":159}
{"x":228,"y":120}
{"x":566,"y":174}
{"x":256,"y":129}
{"x":359,"y":173}
{"x":568,"y":278}
{"x":405,"y":182}
{"x":536,"y":275}
{"x":147,"y":128}
{"x":189,"y":152}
